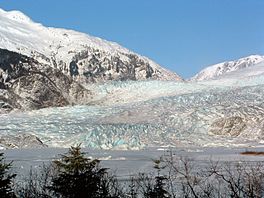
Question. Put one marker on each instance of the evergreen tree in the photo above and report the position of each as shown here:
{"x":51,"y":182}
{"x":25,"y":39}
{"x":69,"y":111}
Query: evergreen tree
{"x":159,"y":188}
{"x":158,"y":191}
{"x":79,"y":177}
{"x":6,"y":187}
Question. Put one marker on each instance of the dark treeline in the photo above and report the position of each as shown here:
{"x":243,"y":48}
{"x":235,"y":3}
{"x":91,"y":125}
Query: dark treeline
{"x":76,"y":176}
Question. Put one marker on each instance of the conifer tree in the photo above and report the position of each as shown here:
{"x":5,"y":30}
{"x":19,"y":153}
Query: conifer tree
{"x":78,"y":176}
{"x":6,"y":187}
{"x":159,"y":189}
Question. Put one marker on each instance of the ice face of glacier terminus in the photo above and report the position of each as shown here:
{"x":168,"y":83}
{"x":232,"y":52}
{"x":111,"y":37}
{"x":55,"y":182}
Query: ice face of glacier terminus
{"x":138,"y":114}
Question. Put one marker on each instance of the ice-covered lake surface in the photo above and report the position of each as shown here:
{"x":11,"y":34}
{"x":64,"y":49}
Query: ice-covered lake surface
{"x":132,"y":115}
{"x":127,"y":163}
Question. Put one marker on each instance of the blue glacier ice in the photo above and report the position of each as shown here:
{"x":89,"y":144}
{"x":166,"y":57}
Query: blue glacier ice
{"x":228,"y":111}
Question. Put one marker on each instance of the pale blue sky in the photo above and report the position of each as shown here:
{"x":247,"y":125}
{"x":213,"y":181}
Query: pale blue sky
{"x":181,"y":35}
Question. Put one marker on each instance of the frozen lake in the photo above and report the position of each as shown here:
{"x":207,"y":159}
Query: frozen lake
{"x":128,"y":162}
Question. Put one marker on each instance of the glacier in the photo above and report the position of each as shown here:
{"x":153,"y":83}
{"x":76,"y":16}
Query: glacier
{"x":227,"y":111}
{"x":128,"y":101}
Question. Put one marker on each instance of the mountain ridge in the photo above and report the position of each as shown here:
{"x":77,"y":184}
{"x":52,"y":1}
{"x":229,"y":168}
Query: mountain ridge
{"x":96,"y":60}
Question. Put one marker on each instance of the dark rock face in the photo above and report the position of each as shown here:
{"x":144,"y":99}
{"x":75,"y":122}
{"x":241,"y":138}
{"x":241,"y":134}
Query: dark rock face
{"x":26,"y":84}
{"x":8,"y":101}
{"x":94,"y":65}
{"x":13,"y":66}
{"x":74,"y":69}
{"x":39,"y":91}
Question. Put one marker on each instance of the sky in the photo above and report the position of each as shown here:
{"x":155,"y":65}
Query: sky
{"x":184,"y":36}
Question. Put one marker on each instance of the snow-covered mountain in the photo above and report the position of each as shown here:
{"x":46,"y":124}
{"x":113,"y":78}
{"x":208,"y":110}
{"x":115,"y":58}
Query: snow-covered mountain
{"x":47,"y":67}
{"x":221,"y":69}
{"x":83,"y":57}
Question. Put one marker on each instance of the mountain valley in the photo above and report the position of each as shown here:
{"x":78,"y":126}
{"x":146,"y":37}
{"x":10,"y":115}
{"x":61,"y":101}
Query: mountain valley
{"x":60,"y":87}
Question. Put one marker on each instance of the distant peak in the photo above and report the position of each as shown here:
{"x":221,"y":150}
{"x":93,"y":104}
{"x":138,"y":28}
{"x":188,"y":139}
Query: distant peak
{"x":226,"y":67}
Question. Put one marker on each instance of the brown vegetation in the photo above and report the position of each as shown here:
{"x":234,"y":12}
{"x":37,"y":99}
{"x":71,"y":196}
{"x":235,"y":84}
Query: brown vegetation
{"x":252,"y":153}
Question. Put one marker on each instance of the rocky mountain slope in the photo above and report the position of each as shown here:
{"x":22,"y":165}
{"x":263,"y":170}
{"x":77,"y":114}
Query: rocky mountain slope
{"x":84,"y":58}
{"x":27,"y":84}
{"x":220,"y":69}
{"x":47,"y":67}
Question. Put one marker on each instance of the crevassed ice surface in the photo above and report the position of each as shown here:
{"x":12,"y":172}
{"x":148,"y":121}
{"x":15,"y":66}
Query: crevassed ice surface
{"x":134,"y":115}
